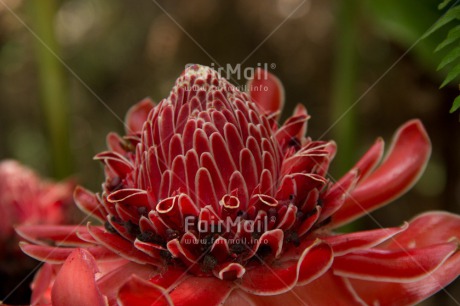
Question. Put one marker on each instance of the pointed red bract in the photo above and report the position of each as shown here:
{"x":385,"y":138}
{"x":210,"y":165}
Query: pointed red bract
{"x":402,"y":167}
{"x":267,"y":91}
{"x":142,"y":293}
{"x":75,"y":284}
{"x":137,"y":115}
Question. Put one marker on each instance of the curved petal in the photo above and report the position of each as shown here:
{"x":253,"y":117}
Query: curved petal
{"x":301,"y":110}
{"x":114,"y":143}
{"x":137,"y":115}
{"x":139,"y":292}
{"x":88,"y":203}
{"x":393,"y":266}
{"x":391,"y":293}
{"x":240,"y":298}
{"x":369,"y":161}
{"x":424,"y":230}
{"x":402,"y":167}
{"x":58,"y":255}
{"x":427,"y":229}
{"x":346,"y":243}
{"x":229,"y":271}
{"x":121,"y":246}
{"x":266,"y":91}
{"x":41,"y":285}
{"x":62,"y":235}
{"x":75,"y":283}
{"x":281,"y":277}
{"x":110,"y":283}
{"x":328,"y":289}
{"x":203,"y":291}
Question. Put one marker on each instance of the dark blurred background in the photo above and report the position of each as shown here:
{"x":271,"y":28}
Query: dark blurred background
{"x":70,"y":69}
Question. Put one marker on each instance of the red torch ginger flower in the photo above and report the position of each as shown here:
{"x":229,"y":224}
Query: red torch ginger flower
{"x":26,"y":199}
{"x":207,"y":201}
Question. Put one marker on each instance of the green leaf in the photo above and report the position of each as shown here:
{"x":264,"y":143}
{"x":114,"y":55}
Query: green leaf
{"x":452,"y":14}
{"x":453,"y":35}
{"x":455,"y":105}
{"x":443,"y":4}
{"x":450,"y":57}
{"x":451,"y":75}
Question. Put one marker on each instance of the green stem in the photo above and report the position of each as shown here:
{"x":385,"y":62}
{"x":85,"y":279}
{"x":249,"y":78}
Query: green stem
{"x":53,"y":86}
{"x":344,"y":90}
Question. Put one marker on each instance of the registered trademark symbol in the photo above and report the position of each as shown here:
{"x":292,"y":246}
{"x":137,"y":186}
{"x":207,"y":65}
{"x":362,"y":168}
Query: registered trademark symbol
{"x":272,"y":65}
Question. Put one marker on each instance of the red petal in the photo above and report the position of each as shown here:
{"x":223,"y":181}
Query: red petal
{"x":180,"y":250}
{"x":229,"y":271}
{"x":427,"y":229}
{"x":75,"y":284}
{"x":205,"y":189}
{"x":130,"y":197}
{"x":370,"y":159}
{"x":326,"y":290}
{"x":387,"y":293}
{"x":120,"y":246}
{"x":57,"y":255}
{"x":301,"y":110}
{"x":240,"y":298}
{"x":137,"y":115}
{"x":346,"y":243}
{"x":114,"y":143}
{"x":398,"y":266}
{"x":110,"y":282}
{"x":63,"y":235}
{"x":203,"y":291}
{"x":338,"y":194}
{"x":402,"y":167}
{"x":308,"y":223}
{"x":139,"y":292}
{"x":88,"y":203}
{"x":273,"y":239}
{"x":290,"y":129}
{"x":281,"y":277}
{"x":41,"y":285}
{"x":271,"y":100}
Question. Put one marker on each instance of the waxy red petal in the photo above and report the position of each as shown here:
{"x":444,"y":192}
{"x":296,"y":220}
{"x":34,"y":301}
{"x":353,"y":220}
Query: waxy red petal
{"x":129,"y":197}
{"x":137,"y":115}
{"x":369,"y":160}
{"x":116,"y":162}
{"x":203,"y":291}
{"x":281,"y":277}
{"x":395,"y":293}
{"x":58,"y":255}
{"x":139,"y":292}
{"x":110,"y":283}
{"x":346,"y":243}
{"x":229,"y":271}
{"x":427,"y":229}
{"x":62,"y":235}
{"x":328,"y":289}
{"x":75,"y":283}
{"x":88,"y":203}
{"x":271,"y":100}
{"x":120,"y":246}
{"x":397,"y":266}
{"x":41,"y":285}
{"x":402,"y":167}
